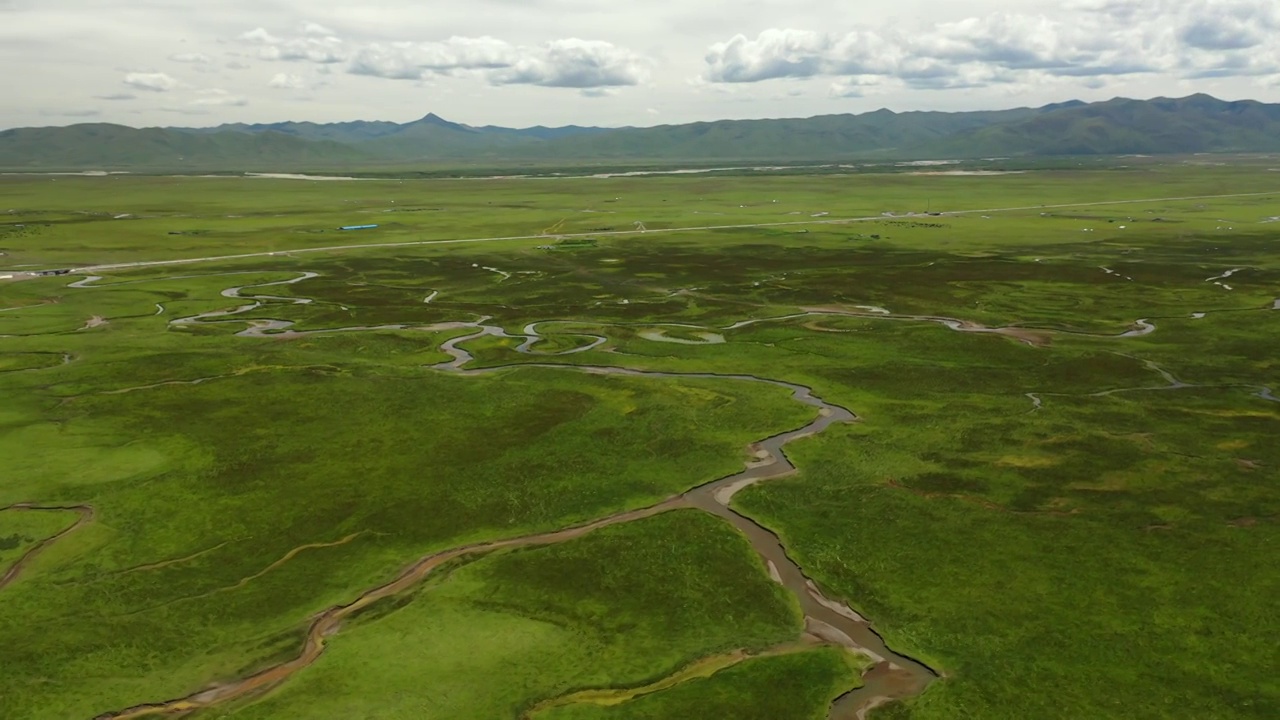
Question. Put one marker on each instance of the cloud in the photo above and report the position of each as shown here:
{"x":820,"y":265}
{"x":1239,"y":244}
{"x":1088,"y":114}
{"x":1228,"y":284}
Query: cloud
{"x":1228,"y":26}
{"x":317,"y":44}
{"x":151,"y":82}
{"x":316,"y":29}
{"x":192,"y":58}
{"x":574,"y":63}
{"x":567,"y":63}
{"x":413,"y":61}
{"x":259,"y":36}
{"x":775,"y":53}
{"x":219,"y":98}
{"x":853,"y":87}
{"x":1203,"y":38}
{"x":116,"y":96}
{"x":286,"y":81}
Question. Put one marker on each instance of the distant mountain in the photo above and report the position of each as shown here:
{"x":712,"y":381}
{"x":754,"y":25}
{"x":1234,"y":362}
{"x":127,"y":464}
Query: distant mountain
{"x":825,"y":137}
{"x":101,"y":145}
{"x":344,"y":132}
{"x":430,"y":136}
{"x":1198,"y":123}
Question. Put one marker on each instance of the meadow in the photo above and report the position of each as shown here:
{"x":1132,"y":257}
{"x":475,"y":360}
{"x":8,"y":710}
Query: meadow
{"x":1060,"y":494}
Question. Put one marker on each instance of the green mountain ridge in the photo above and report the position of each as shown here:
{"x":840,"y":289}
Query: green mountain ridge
{"x":103,"y":145}
{"x":1198,"y":123}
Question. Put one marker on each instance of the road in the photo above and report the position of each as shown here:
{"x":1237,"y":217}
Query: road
{"x":615,"y":233}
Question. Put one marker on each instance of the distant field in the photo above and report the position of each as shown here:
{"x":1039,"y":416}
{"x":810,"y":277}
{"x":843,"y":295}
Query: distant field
{"x":79,"y":221}
{"x":1060,"y":494}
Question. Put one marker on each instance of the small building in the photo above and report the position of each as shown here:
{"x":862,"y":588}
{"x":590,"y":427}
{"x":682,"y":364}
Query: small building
{"x":357,"y":227}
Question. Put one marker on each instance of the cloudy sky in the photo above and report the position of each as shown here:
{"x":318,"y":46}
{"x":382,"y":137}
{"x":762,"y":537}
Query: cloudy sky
{"x":555,"y":62}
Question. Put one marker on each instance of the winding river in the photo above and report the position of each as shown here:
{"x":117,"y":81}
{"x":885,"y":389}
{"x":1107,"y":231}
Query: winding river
{"x":893,"y":676}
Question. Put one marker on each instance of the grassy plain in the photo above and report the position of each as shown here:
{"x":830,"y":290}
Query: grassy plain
{"x":801,"y":686}
{"x":627,"y":605}
{"x":1063,"y":529}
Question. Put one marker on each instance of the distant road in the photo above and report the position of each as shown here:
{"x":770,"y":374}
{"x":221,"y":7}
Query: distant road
{"x":791,"y":223}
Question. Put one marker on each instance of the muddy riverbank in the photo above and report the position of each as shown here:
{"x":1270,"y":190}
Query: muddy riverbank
{"x":85,"y":516}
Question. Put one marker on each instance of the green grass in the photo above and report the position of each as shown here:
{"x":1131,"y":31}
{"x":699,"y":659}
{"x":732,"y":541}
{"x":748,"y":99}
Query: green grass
{"x":227,"y":477}
{"x":1106,"y":555}
{"x":801,"y":686}
{"x":21,"y":531}
{"x":623,"y":605}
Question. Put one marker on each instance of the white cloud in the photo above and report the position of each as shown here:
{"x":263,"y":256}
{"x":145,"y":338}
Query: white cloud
{"x":853,"y":87}
{"x":259,"y":36}
{"x":192,"y":58}
{"x":841,"y":57}
{"x":286,"y":81}
{"x":568,"y":63}
{"x":413,"y":61}
{"x":310,"y":28}
{"x":1227,"y":26}
{"x":1205,"y":38}
{"x":574,"y":63}
{"x":219,"y":98}
{"x":317,"y":44}
{"x":151,"y":82}
{"x":774,"y":54}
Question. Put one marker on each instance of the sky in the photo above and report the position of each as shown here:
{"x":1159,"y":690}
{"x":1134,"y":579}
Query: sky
{"x":518,"y":63}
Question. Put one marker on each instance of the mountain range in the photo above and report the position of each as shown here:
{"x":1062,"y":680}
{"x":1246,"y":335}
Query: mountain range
{"x":1195,"y":124}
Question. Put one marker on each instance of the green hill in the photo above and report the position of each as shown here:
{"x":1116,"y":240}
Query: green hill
{"x":101,"y":145}
{"x":825,"y":137}
{"x":1198,"y":123}
{"x":1188,"y":125}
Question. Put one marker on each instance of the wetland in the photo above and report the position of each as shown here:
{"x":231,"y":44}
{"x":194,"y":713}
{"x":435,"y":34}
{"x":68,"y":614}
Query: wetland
{"x":718,"y":471}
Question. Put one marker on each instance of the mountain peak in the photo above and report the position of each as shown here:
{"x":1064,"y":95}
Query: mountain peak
{"x":433,"y":120}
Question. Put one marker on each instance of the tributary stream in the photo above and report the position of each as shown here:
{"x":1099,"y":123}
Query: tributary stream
{"x":892,"y":677}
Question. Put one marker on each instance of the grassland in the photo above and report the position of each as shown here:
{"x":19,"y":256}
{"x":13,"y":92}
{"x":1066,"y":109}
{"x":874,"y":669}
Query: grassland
{"x":1075,"y":526}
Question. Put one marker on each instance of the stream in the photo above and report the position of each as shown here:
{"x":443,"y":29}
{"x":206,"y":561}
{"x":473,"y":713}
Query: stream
{"x":893,"y":675}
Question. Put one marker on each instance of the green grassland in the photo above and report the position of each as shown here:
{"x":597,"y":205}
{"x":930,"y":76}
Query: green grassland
{"x":92,"y":220}
{"x":627,"y":605}
{"x":21,"y":532}
{"x":1056,"y":527}
{"x":800,"y":687}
